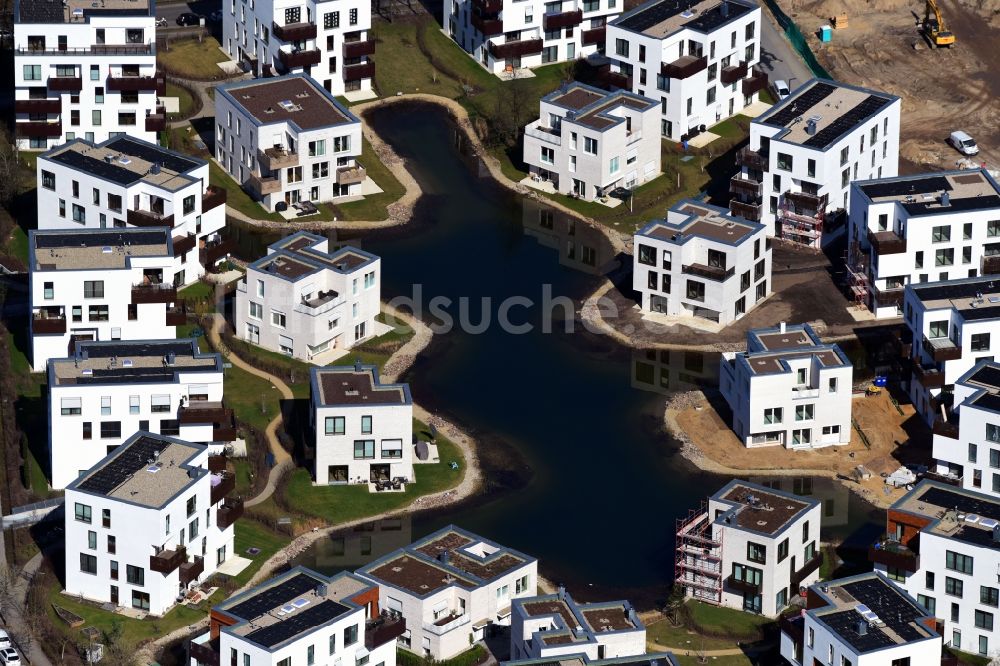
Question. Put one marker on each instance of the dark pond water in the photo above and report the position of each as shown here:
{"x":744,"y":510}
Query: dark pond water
{"x":579,"y":471}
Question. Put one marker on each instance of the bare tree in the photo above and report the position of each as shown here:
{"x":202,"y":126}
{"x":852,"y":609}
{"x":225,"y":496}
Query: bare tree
{"x":10,"y":168}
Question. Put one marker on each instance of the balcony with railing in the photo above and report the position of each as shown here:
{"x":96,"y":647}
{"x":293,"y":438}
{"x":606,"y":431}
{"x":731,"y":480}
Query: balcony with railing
{"x":595,"y":35}
{"x":153,"y":293}
{"x":613,"y":79}
{"x":714,"y":273}
{"x":515,"y":49}
{"x":888,"y":297}
{"x":204,"y":650}
{"x":177,"y":315}
{"x":489,"y":6}
{"x":38,"y":106}
{"x":443,"y":625}
{"x":189,"y":571}
{"x":96,"y":49}
{"x":359,"y":48}
{"x":359,"y":71}
{"x":749,"y":211}
{"x":157,"y":120}
{"x":215,"y":250}
{"x":754,"y":84}
{"x":166,"y":561}
{"x":752,"y":159}
{"x":66,"y":83}
{"x":490,"y":27}
{"x":124,"y":83}
{"x":294,"y":32}
{"x":184,"y":244}
{"x":48,"y":321}
{"x":946,"y":427}
{"x":212,"y":197}
{"x":38,"y":129}
{"x":748,"y":187}
{"x":562,"y":20}
{"x":990,"y":265}
{"x":351,"y":175}
{"x":537,"y":130}
{"x":226,"y":484}
{"x":277,"y":157}
{"x":886,"y":242}
{"x":384,"y":629}
{"x":299,"y":58}
{"x":684,"y":67}
{"x":891,"y":553}
{"x":147,"y":218}
{"x":229,"y":512}
{"x":928,"y":375}
{"x":263,"y":185}
{"x":742,"y":585}
{"x":804,"y":393}
{"x":196,"y":411}
{"x":733,"y":73}
{"x":806,"y":201}
{"x":942,"y":349}
{"x":807,"y":569}
{"x":324,"y":302}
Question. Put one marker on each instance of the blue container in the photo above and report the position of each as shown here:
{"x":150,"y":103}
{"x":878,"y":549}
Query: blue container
{"x":825,"y":33}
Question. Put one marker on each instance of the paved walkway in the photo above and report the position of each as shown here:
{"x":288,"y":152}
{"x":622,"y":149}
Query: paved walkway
{"x":282,"y":461}
{"x":200,"y":88}
{"x":14,"y":620}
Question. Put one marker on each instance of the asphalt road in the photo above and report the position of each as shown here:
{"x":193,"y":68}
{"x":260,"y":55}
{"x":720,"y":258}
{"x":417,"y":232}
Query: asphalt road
{"x":171,"y":11}
{"x":778,"y":58}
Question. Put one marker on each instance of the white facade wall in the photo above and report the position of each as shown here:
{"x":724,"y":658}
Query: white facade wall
{"x":392,"y":431}
{"x":187,"y":220}
{"x":528,"y":632}
{"x":725,"y":300}
{"x":68,"y":293}
{"x":702,"y":98}
{"x":555,"y":147}
{"x":248,"y":35}
{"x":138,"y":531}
{"x":524,"y":20}
{"x":84,"y":113}
{"x":826,"y":643}
{"x":825,"y":168}
{"x":240,"y":138}
{"x":971,"y":453}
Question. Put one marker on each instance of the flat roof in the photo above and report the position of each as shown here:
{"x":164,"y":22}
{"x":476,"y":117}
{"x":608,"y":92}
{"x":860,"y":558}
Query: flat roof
{"x":923,"y":194}
{"x":702,"y":221}
{"x":99,"y":363}
{"x":958,"y":514}
{"x":146,"y":469}
{"x":125,"y":161}
{"x":769,"y":349}
{"x":352,"y":385}
{"x":975,"y":298}
{"x":291,"y":605}
{"x":837,"y":109}
{"x":298,"y":255}
{"x":593,"y":107}
{"x":293,"y":98}
{"x":869,"y":613}
{"x":581,"y":659}
{"x":759,"y":509}
{"x":984,"y":376}
{"x":91,"y":249}
{"x":450,"y":556}
{"x":77,"y":11}
{"x":661,"y":18}
{"x":578,"y":623}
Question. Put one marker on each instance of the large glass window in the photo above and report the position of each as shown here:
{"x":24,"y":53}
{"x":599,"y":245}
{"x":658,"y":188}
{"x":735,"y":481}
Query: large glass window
{"x":364,"y":449}
{"x":958,"y":562}
{"x":135,"y":575}
{"x":334,"y":425}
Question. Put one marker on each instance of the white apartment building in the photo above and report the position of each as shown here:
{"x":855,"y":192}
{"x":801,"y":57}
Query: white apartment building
{"x":951,"y":325}
{"x":125,"y":182}
{"x":805,"y":151}
{"x":85,"y":70}
{"x":286,"y":140}
{"x":587,"y":141}
{"x":966,"y":445}
{"x":325,"y":39}
{"x":107,"y":391}
{"x":863,"y":621}
{"x":304,"y":301}
{"x":942,"y":546}
{"x":99,"y":284}
{"x":926,"y":227}
{"x":364,"y":428}
{"x":701,"y":262}
{"x":650,"y":659}
{"x":788,"y":389}
{"x":751,"y":548}
{"x":449,"y":587}
{"x":301,"y":617}
{"x":696,"y":58}
{"x":145,"y":523}
{"x":506,"y":35}
{"x":555,"y":626}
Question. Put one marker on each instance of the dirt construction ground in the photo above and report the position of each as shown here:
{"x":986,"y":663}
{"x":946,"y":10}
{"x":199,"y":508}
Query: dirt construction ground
{"x":895,"y":439}
{"x":941,"y":89}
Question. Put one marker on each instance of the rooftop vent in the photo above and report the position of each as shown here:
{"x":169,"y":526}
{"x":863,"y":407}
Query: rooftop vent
{"x":87,"y":372}
{"x":106,"y":249}
{"x":945,"y":198}
{"x":127,"y":363}
{"x":124,"y":160}
{"x":153,"y":469}
{"x":155,"y":168}
{"x":687,"y":13}
{"x":321,"y":590}
{"x":724,"y":10}
{"x":811,"y":124}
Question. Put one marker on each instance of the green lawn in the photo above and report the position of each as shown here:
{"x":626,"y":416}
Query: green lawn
{"x":373,"y":207}
{"x":251,"y":534}
{"x":236,"y":197}
{"x":185,"y":101}
{"x":338,"y":504}
{"x":665,"y":633}
{"x":247,"y":393}
{"x":192,"y":58}
{"x":717,"y":620}
{"x":730,"y":660}
{"x":17,"y":244}
{"x":197,"y":291}
{"x":968,"y":659}
{"x":402,"y":65}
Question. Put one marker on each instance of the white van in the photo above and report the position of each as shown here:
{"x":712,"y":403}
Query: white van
{"x":963,"y":143}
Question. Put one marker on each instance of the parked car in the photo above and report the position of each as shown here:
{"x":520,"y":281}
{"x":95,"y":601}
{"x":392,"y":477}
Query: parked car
{"x":5,"y":639}
{"x":161,"y":22}
{"x":216,"y":16}
{"x":963,"y":143}
{"x":781,"y":89}
{"x":188,"y":18}
{"x":10,"y":657}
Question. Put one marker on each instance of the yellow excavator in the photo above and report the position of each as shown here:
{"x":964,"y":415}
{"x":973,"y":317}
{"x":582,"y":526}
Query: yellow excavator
{"x":934,"y":27}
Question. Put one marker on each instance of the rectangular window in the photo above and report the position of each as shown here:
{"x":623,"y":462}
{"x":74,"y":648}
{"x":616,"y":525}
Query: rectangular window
{"x":989,"y":596}
{"x":111,"y":429}
{"x":364,"y":449}
{"x":980,"y":342}
{"x":772,"y":415}
{"x":589,"y":145}
{"x":334,"y":425}
{"x":958,"y":562}
{"x":93,"y":289}
{"x":135,"y":575}
{"x":82,"y":513}
{"x":350,"y":635}
{"x":941,"y":234}
{"x":984,"y":620}
{"x":70,"y":406}
{"x":784,"y":162}
{"x":952,"y":586}
{"x":88,"y":564}
{"x":804,"y":412}
{"x":756,"y":552}
{"x":366,"y":425}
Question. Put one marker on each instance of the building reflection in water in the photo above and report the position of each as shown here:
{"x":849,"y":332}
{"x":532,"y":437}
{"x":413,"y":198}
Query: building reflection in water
{"x":355,"y":546}
{"x":668,"y":371}
{"x":580,"y":246}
